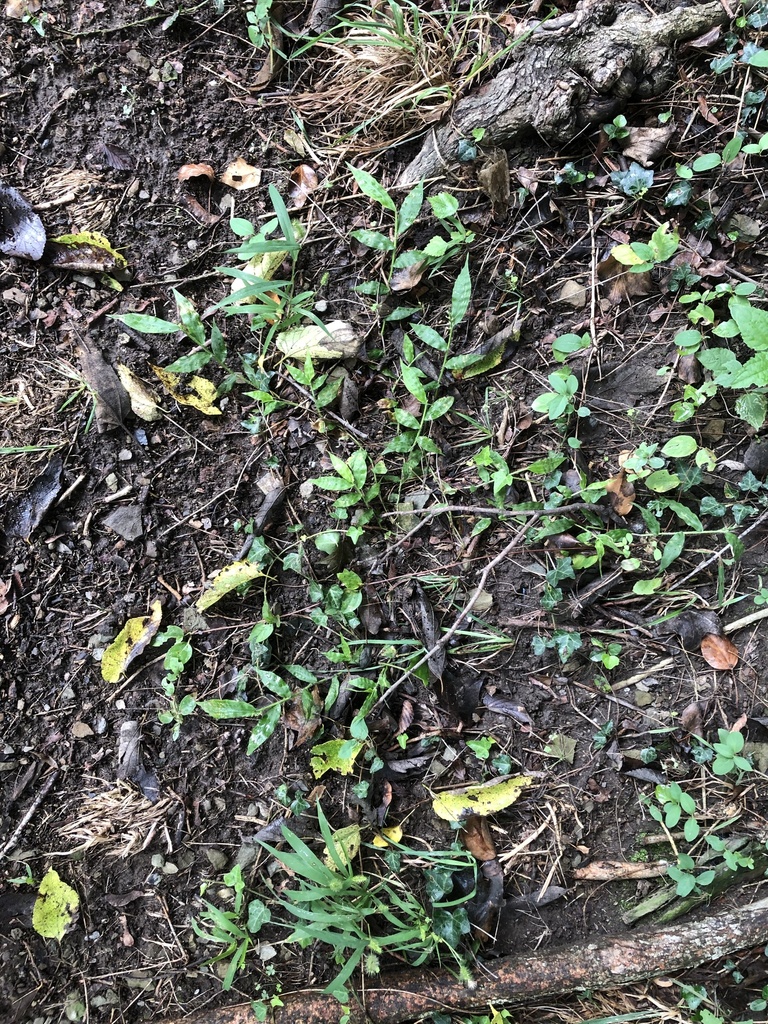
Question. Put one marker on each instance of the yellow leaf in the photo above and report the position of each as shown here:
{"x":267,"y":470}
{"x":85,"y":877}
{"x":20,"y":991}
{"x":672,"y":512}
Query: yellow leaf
{"x":346,"y":843}
{"x":143,"y":402}
{"x":230,"y":577}
{"x":334,"y":755}
{"x":96,"y":243}
{"x":55,"y":908}
{"x":484,"y":800}
{"x":195,"y":391}
{"x":388,"y":835}
{"x":337,"y":340}
{"x":129,"y":643}
{"x":626,"y":255}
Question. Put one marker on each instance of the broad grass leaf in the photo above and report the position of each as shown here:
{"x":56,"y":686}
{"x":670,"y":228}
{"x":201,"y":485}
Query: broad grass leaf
{"x":129,"y":643}
{"x":410,"y":208}
{"x":483,"y":800}
{"x":222,"y":710}
{"x":719,"y":652}
{"x":230,"y":577}
{"x":55,"y":908}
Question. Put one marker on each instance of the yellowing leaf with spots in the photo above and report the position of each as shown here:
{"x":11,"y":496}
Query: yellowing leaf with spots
{"x":189,"y":390}
{"x":626,"y":255}
{"x":484,"y":800}
{"x":335,"y":755}
{"x":129,"y":643}
{"x":346,"y":843}
{"x":230,"y":577}
{"x":55,"y":908}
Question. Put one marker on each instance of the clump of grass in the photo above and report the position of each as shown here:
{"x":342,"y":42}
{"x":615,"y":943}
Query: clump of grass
{"x":392,"y":71}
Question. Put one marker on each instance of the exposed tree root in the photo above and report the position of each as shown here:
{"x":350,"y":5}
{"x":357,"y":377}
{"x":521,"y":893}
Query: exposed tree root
{"x":574,"y":70}
{"x":592,"y":964}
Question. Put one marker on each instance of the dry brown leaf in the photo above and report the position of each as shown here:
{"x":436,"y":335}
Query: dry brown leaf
{"x":692,"y":717}
{"x":719,"y":652}
{"x":408,"y":277}
{"x":647,"y":145}
{"x":619,"y":284}
{"x":21,"y":8}
{"x":241,"y":175}
{"x":621,"y":493}
{"x":198,"y":211}
{"x":112,"y":401}
{"x":689,"y":370}
{"x":406,"y":717}
{"x":303,"y":182}
{"x":196,"y":171}
{"x":4,"y":589}
{"x":476,"y":836}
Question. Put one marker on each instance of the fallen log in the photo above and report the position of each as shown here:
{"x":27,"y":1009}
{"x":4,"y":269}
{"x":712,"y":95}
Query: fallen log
{"x":577,"y":69}
{"x":598,"y":963}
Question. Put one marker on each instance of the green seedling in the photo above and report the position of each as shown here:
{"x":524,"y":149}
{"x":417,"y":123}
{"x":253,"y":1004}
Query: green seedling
{"x":617,"y":129}
{"x":565,"y":642}
{"x":676,"y":806}
{"x":234,"y":930}
{"x":682,"y":874}
{"x":176,"y":659}
{"x":356,"y":483}
{"x":559,"y":403}
{"x":728,"y":756}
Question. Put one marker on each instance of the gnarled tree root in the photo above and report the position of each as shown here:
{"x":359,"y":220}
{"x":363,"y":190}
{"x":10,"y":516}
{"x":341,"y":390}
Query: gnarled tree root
{"x":592,"y":964}
{"x":574,"y":70}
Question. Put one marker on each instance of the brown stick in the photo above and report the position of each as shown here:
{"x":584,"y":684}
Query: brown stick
{"x":590,"y":964}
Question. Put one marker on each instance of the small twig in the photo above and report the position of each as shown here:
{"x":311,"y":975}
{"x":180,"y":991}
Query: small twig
{"x":444,"y":639}
{"x":331,"y":415}
{"x":42,"y":794}
{"x":479,"y":510}
{"x":723,"y":550}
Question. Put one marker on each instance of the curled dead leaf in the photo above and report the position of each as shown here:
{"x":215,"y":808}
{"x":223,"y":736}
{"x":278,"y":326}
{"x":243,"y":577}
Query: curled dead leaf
{"x":621,"y":493}
{"x":241,"y":175}
{"x":303,"y":182}
{"x":719,"y":652}
{"x":188,"y":171}
{"x":407,"y":277}
{"x":476,"y":836}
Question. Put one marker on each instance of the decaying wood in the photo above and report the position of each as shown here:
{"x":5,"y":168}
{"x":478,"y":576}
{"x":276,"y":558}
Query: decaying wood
{"x":574,"y":70}
{"x":597,"y":964}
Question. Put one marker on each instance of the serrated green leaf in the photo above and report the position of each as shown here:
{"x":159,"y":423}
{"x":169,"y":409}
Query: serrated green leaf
{"x":264,"y":728}
{"x":373,"y":239}
{"x":752,"y":323}
{"x":461,"y":295}
{"x":410,"y":208}
{"x":371,"y":188}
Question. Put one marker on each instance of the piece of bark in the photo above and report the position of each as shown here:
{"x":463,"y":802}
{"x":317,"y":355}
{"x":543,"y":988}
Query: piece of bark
{"x":596,"y":963}
{"x":573,"y":70}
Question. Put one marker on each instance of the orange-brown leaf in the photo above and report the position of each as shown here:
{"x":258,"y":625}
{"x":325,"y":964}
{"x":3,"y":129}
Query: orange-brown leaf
{"x":719,"y":652}
{"x":303,"y":182}
{"x":621,"y":493}
{"x":476,"y":836}
{"x":195,"y":171}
